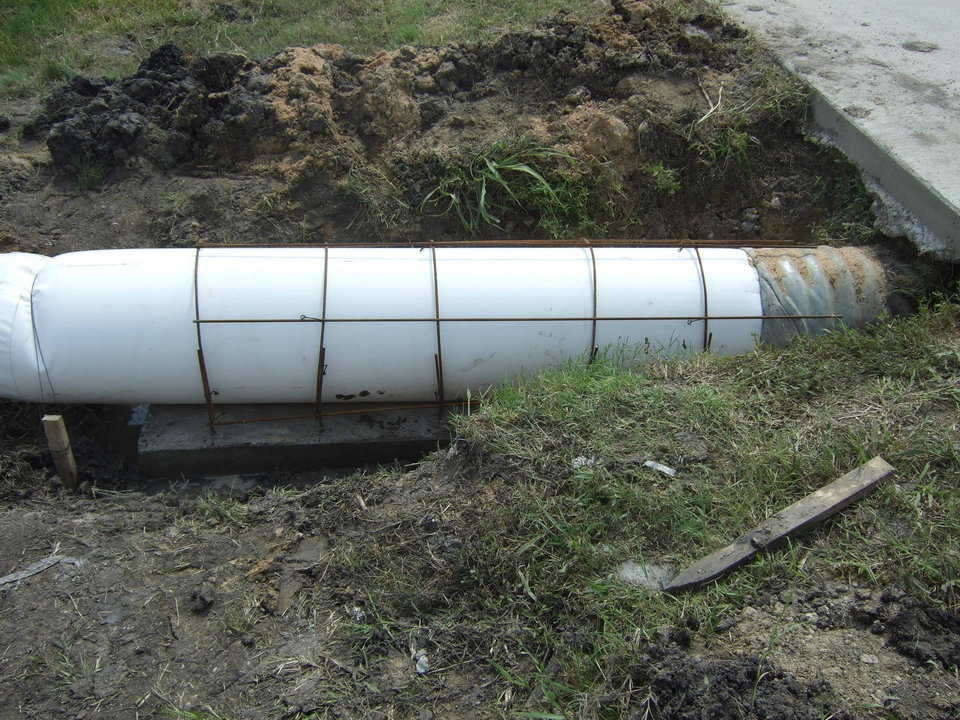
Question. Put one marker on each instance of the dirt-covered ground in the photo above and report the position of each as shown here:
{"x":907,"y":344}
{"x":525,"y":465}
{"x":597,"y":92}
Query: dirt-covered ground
{"x":317,"y":597}
{"x":441,"y":590}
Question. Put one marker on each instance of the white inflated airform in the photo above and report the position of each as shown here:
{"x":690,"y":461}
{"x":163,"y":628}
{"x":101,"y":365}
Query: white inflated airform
{"x":392,"y":324}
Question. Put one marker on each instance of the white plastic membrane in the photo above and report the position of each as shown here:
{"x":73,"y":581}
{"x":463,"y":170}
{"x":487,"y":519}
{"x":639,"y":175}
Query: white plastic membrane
{"x":117,"y":326}
{"x":21,"y":370}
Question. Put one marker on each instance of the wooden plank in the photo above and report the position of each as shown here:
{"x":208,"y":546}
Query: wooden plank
{"x":812,"y":509}
{"x":59,"y":443}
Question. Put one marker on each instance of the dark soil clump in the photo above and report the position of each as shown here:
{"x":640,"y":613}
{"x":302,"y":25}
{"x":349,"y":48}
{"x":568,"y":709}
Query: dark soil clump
{"x":683,"y":687}
{"x":164,"y":112}
{"x":926,"y":634}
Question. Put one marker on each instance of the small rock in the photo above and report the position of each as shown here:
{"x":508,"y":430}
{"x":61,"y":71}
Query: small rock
{"x":430,"y":523}
{"x":748,"y":227}
{"x":727,"y":623}
{"x":857,"y":111}
{"x":868,"y":659}
{"x":423,"y":663}
{"x":203,"y":598}
{"x":111,"y":616}
{"x":837,"y":589}
{"x":451,"y":545}
{"x":697,"y":38}
{"x":582,"y":461}
{"x":666,"y":470}
{"x":648,"y":575}
{"x":892,"y":595}
{"x":446,"y":77}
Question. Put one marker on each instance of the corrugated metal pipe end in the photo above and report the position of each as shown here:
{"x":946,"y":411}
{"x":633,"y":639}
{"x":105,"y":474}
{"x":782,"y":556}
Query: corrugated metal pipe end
{"x":847,"y":282}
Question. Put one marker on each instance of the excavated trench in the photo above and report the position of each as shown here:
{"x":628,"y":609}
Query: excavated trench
{"x":645,"y":124}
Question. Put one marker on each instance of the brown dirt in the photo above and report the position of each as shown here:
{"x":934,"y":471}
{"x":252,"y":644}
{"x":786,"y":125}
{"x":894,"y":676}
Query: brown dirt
{"x":864,"y":642}
{"x":318,"y":144}
{"x":271,"y":603}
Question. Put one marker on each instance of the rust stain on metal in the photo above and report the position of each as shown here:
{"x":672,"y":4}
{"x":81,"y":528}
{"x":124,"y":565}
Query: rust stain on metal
{"x":859,"y":267}
{"x":577,"y":243}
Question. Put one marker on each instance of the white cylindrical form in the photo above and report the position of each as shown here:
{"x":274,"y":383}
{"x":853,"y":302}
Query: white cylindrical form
{"x":394,"y":324}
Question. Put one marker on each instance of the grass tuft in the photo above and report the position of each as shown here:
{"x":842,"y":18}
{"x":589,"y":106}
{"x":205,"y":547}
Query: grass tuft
{"x":852,"y":221}
{"x":666,"y":181}
{"x":88,"y":175}
{"x":381,"y":201}
{"x":514,"y":178}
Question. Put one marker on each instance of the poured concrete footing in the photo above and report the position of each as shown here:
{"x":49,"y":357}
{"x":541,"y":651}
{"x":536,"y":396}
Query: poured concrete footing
{"x":177,"y":440}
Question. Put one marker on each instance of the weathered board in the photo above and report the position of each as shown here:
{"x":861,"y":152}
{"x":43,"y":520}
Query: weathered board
{"x":58,"y":440}
{"x":813,"y":508}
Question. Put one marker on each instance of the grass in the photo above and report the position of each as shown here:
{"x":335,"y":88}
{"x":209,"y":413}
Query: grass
{"x":528,"y":590}
{"x":852,"y":220}
{"x":180,"y":714}
{"x":88,"y":175}
{"x":381,"y":201}
{"x":666,"y":181}
{"x":514,"y":178}
{"x":43,"y":41}
{"x":542,"y":534}
{"x":218,"y":509}
{"x":729,"y":134}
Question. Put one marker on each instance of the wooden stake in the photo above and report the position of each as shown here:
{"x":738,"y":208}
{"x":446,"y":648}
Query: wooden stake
{"x":59,"y":443}
{"x":813,"y":508}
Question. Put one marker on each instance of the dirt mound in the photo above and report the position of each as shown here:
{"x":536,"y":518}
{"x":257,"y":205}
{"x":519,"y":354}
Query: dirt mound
{"x":649,"y":112}
{"x":167,"y":110}
{"x":877,"y":648}
{"x":224,"y":106}
{"x":926,"y":634}
{"x":683,"y":687}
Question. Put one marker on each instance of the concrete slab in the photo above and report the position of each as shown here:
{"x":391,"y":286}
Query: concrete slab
{"x":887,"y":78}
{"x":176,"y":440}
